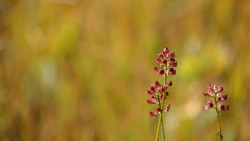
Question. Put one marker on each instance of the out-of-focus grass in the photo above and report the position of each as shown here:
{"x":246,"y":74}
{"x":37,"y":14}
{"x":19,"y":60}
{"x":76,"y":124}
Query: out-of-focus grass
{"x":79,"y":70}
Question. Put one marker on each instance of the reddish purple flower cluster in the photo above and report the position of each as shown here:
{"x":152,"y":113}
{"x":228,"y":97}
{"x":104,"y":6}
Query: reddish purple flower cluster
{"x":217,"y":93}
{"x":167,"y":60}
{"x":157,"y":92}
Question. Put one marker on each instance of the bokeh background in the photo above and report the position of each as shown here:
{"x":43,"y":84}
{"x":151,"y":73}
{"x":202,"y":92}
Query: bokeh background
{"x":74,"y":70}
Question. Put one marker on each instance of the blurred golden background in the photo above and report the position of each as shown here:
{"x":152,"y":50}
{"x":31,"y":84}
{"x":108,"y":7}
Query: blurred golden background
{"x":78,"y":70}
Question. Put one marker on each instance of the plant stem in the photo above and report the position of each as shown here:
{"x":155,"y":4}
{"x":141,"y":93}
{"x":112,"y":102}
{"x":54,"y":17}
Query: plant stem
{"x":160,"y":120}
{"x":218,"y":117}
{"x":162,"y":128}
{"x":158,"y":129}
{"x":163,"y":132}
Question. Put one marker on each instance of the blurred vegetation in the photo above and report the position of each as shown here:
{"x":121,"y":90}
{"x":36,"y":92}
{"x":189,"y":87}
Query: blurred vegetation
{"x":79,"y":70}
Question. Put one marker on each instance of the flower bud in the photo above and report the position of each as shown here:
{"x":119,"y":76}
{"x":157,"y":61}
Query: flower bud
{"x":171,"y":71}
{"x":222,"y":107}
{"x":152,"y":114}
{"x":166,"y":94}
{"x":161,"y":89}
{"x":167,"y":108}
{"x":164,"y":61}
{"x":158,"y":109}
{"x":172,"y":55}
{"x":210,"y":104}
{"x":220,"y":89}
{"x":156,"y":84}
{"x":165,"y":50}
{"x":156,"y":69}
{"x":169,"y":83}
{"x":205,"y":107}
{"x":161,"y":72}
{"x":149,"y":92}
{"x":206,"y":94}
{"x":161,"y":95}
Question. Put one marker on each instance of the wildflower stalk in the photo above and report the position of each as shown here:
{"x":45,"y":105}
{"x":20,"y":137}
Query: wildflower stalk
{"x":217,"y":93}
{"x":157,"y":92}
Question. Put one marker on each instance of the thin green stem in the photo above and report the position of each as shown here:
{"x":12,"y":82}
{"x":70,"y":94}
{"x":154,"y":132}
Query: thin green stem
{"x":160,"y":121}
{"x":158,"y":129}
{"x":218,"y":117}
{"x":163,"y":132}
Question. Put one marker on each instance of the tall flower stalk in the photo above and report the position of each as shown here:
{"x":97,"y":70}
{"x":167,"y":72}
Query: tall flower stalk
{"x":216,"y":94}
{"x":158,"y":92}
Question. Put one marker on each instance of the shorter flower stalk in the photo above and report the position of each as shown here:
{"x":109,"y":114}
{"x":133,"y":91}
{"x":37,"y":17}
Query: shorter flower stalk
{"x":216,"y":93}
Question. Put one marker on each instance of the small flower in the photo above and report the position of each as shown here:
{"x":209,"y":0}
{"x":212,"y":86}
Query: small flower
{"x":156,"y":69}
{"x":206,"y":94}
{"x":210,"y":93}
{"x":166,"y":94}
{"x":161,"y":89}
{"x":215,"y":88}
{"x":152,"y":101}
{"x":158,"y":59}
{"x":222,"y":107}
{"x":205,"y":107}
{"x":167,"y":108}
{"x":161,"y":72}
{"x":152,"y":114}
{"x":149,"y":101}
{"x":165,"y":50}
{"x":210,"y":104}
{"x":221,"y":97}
{"x":171,"y":71}
{"x":161,"y":95}
{"x":158,"y":109}
{"x":171,"y":63}
{"x":149,"y":92}
{"x":220,"y":89}
{"x":152,"y":88}
{"x":210,"y":87}
{"x":172,"y":55}
{"x":164,"y":61}
{"x":172,"y":60}
{"x":225,"y":97}
{"x":156,"y":84}
{"x":160,"y":55}
{"x":169,"y":83}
